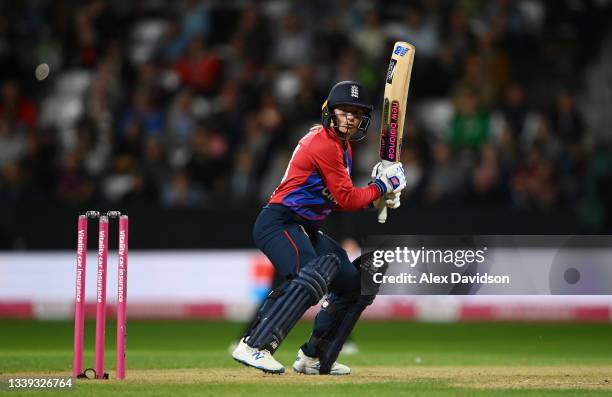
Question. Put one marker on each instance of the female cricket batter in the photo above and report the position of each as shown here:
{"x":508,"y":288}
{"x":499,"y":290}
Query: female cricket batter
{"x":312,"y":264}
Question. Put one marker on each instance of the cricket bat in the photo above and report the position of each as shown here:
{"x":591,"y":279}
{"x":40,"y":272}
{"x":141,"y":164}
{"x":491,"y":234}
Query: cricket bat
{"x":394,"y":108}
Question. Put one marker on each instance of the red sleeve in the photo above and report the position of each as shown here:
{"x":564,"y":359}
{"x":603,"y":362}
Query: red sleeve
{"x":327,"y":156}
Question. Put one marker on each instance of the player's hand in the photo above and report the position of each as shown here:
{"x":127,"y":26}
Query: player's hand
{"x":389,"y":200}
{"x":379,"y":203}
{"x":391,"y":179}
{"x":392,"y":200}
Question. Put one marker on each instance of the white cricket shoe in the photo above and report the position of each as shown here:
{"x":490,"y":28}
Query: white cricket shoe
{"x":310,"y":366}
{"x":260,"y":359}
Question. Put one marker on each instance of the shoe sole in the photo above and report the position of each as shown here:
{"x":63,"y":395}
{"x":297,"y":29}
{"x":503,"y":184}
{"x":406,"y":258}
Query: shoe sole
{"x":266,"y":370}
{"x":306,"y":373}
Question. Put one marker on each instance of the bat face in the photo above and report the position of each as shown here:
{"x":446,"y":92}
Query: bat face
{"x":394,"y":105}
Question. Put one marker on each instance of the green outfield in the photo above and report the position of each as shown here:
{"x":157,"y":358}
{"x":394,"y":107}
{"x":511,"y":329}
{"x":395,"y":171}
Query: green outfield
{"x":176,"y":358}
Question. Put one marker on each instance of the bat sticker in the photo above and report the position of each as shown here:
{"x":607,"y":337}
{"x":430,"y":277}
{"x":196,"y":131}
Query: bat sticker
{"x":384,"y":129}
{"x":400,"y":50}
{"x":391,"y":71}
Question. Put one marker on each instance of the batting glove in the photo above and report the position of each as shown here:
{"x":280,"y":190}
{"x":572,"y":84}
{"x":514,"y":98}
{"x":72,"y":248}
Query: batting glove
{"x":391,"y":179}
{"x":376,"y":170}
{"x":389,"y":200}
{"x":392,"y":200}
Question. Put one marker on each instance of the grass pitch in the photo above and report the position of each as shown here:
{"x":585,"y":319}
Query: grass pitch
{"x":189,"y":358}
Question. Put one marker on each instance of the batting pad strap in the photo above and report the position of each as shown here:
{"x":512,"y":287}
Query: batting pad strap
{"x":305,"y":290}
{"x":313,"y":282}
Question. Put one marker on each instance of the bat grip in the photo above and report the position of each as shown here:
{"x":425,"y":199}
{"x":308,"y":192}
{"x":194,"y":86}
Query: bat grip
{"x":382,"y":214}
{"x":382,"y":211}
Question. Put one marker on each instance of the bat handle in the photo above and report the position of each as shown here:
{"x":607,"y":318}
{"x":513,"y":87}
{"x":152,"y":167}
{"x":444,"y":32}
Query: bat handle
{"x":382,"y":210}
{"x":382,"y":214}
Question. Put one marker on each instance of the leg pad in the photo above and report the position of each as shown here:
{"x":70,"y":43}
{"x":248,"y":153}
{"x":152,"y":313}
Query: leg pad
{"x":305,"y":290}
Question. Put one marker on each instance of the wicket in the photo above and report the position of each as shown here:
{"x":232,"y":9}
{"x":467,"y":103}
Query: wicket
{"x":79,"y":310}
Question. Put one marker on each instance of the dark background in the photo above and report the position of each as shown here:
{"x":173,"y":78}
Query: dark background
{"x":230,"y":227}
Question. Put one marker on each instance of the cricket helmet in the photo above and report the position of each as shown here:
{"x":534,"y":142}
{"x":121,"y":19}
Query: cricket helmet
{"x":349,"y":93}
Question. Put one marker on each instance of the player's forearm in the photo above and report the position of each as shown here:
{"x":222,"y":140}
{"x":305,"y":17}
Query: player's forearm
{"x":356,"y":199}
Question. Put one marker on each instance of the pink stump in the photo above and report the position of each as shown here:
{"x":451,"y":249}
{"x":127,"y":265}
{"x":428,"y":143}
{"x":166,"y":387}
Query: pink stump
{"x":101,"y":296}
{"x":122,"y":295}
{"x":79,"y":298}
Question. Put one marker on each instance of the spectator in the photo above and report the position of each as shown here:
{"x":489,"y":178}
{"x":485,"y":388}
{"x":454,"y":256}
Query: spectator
{"x":371,"y":39}
{"x":565,"y":119}
{"x":199,"y":68}
{"x":130,"y":143}
{"x":332,"y":39}
{"x":73,"y":186}
{"x":475,"y":78}
{"x":542,"y":136}
{"x":154,"y":168}
{"x":447,"y":178}
{"x":460,"y":39}
{"x":228,"y":111}
{"x":534,"y":182}
{"x":12,"y":182}
{"x":39,"y":163}
{"x":243,"y":182}
{"x":149,"y":80}
{"x":494,"y":63}
{"x":293,"y":45}
{"x":257,"y":142}
{"x":105,"y":90}
{"x":486,"y":177}
{"x":93,"y":146}
{"x":470,"y":125}
{"x":195,"y":22}
{"x":413,"y":171}
{"x":143,"y":113}
{"x":254,"y":32}
{"x":514,"y":110}
{"x":419,"y":29}
{"x":12,"y":142}
{"x":440,"y":74}
{"x":182,"y":192}
{"x":209,"y":164}
{"x":15,"y":108}
{"x":181,"y":121}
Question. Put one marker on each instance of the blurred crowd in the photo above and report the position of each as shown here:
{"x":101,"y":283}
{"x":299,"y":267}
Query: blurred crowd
{"x":189,"y":103}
